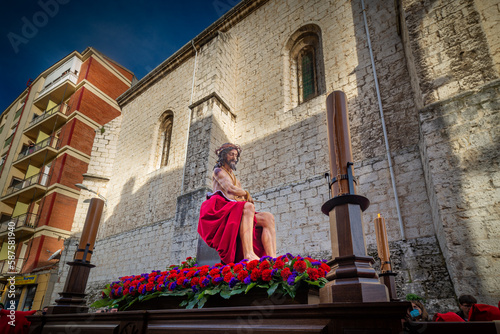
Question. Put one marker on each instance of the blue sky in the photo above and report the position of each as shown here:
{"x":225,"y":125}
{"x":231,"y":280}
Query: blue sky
{"x":137,"y":34}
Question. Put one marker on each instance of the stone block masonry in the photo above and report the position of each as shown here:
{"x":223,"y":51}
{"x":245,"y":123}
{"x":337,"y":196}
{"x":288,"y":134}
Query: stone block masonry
{"x":461,"y":151}
{"x":436,"y":76}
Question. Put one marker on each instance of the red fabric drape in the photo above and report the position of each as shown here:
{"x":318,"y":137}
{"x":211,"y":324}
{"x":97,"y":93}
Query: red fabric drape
{"x":22,"y":324}
{"x":448,"y":316}
{"x":483,"y":312}
{"x":219,"y":226}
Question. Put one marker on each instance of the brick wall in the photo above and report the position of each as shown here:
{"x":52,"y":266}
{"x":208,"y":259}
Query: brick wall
{"x":67,"y":170}
{"x":58,"y":211}
{"x":105,"y":81}
{"x":96,"y":108}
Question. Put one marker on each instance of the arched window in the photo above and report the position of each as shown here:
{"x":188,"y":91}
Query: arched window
{"x":304,"y":67}
{"x":164,"y":139}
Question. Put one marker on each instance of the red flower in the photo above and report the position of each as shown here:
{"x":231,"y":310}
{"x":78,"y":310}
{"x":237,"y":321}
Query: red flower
{"x":252,"y":264}
{"x":279,"y":264}
{"x":150,"y":286}
{"x":226,"y":270}
{"x":203,"y":272}
{"x":228,"y":276}
{"x":237,"y":268}
{"x":190,"y":273}
{"x":313,"y":273}
{"x":180,"y":280}
{"x":126,"y":292}
{"x":214,"y":272}
{"x":300,"y":266}
{"x":285,"y":273}
{"x":264,"y":265}
{"x":195,"y":281}
{"x":255,"y":274}
{"x":242,"y":275}
{"x":325,"y":267}
{"x":267,"y":275}
{"x":202,"y":279}
{"x":214,"y":281}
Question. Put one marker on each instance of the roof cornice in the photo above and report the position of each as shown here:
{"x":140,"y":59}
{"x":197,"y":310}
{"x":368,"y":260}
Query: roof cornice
{"x":223,"y":24}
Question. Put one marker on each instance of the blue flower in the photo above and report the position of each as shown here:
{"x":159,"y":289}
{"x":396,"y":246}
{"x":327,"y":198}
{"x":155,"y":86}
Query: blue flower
{"x":274,"y":271}
{"x":291,"y":280}
{"x":206,"y":281}
{"x":185,"y":282}
{"x":316,"y":263}
{"x":290,"y":256}
{"x":232,"y":282}
{"x":218,"y":279}
{"x":195,"y":289}
{"x":265,"y":258}
{"x":247,"y":280}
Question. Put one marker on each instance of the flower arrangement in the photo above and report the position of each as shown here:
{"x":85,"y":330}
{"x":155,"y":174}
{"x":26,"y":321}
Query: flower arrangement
{"x":196,"y":284}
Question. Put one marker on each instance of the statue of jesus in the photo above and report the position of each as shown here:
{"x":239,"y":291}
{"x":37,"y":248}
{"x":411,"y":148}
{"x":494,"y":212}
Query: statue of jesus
{"x":228,"y":221}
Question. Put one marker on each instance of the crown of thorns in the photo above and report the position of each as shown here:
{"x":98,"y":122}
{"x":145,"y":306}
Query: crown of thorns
{"x":228,"y":146}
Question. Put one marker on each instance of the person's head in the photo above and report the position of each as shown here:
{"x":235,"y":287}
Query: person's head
{"x":417,"y":306}
{"x":466,"y":302}
{"x":228,"y":155}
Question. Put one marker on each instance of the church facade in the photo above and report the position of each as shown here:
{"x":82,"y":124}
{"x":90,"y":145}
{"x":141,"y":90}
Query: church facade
{"x":259,"y":77}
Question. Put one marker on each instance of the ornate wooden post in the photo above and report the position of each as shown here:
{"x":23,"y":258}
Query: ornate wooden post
{"x":73,"y":296}
{"x":352,"y":278}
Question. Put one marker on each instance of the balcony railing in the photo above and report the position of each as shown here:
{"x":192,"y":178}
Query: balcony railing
{"x":62,"y":108}
{"x":4,"y":267}
{"x":25,"y":220}
{"x":49,"y":142}
{"x":67,"y":75}
{"x":41,"y":179}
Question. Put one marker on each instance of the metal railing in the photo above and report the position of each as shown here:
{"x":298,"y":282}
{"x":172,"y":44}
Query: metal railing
{"x":62,"y":108}
{"x":4,"y":267}
{"x":41,"y":179}
{"x":67,"y":75}
{"x":25,"y":220}
{"x":51,"y":142}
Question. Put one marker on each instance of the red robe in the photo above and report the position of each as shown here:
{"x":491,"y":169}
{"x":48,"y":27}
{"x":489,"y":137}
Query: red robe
{"x":219,"y":226}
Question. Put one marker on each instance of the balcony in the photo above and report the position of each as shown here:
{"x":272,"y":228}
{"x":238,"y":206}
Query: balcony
{"x":58,"y":89}
{"x":39,"y":154}
{"x":25,"y":223}
{"x":28,"y":190}
{"x":4,"y":267}
{"x":48,"y":121}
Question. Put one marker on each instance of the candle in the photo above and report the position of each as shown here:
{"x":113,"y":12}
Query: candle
{"x":382,"y":244}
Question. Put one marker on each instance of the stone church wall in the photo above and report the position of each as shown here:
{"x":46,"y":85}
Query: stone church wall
{"x":242,"y":93}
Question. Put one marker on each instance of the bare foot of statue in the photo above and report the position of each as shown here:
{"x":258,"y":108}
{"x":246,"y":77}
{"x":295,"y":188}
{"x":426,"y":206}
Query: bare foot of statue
{"x":251,"y":257}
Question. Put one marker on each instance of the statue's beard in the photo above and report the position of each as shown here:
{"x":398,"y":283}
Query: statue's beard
{"x":231,"y":164}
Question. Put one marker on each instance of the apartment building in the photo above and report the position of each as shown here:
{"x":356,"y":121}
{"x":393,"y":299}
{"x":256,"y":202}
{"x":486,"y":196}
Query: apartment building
{"x":46,"y":139}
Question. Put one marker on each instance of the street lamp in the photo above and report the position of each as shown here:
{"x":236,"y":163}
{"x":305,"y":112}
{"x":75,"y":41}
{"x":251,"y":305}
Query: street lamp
{"x":73,"y":296}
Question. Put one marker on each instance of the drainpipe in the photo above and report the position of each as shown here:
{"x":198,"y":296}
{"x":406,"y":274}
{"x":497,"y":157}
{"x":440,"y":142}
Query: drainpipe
{"x":190,"y":115}
{"x":391,"y":170}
